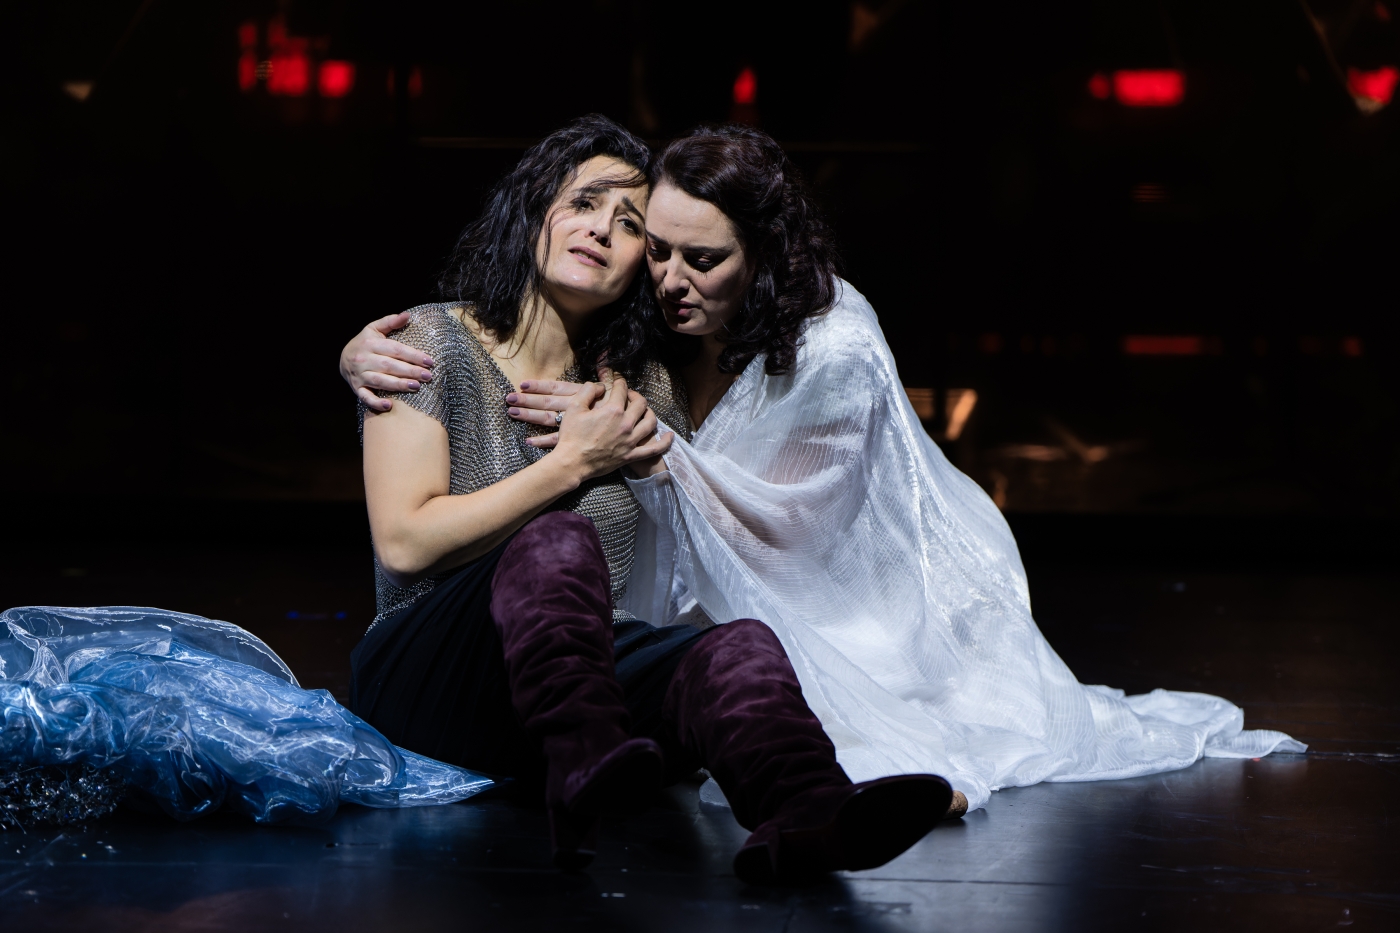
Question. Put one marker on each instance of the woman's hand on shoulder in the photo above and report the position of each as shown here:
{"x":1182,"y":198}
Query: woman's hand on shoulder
{"x":374,"y":361}
{"x":603,"y":428}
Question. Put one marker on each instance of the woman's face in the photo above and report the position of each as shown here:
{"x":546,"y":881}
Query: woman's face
{"x":697,"y":263}
{"x":596,"y":237}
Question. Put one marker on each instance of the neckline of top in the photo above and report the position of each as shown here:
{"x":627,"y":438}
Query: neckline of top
{"x":500,"y":374}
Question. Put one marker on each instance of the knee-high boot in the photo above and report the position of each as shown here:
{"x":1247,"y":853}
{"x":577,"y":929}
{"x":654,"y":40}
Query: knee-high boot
{"x":550,"y":602}
{"x":736,"y":703}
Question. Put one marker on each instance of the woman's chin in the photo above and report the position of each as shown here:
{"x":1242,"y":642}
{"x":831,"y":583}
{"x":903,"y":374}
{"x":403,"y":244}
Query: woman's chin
{"x":689,"y":328}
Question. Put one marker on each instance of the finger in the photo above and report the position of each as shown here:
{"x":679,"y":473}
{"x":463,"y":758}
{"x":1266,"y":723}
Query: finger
{"x":643,"y":429}
{"x":388,"y":383}
{"x":532,"y":417}
{"x":605,"y":373}
{"x":539,"y":402}
{"x":543,"y":441}
{"x":586,"y":398}
{"x":551,"y":387}
{"x":387,"y":347}
{"x":373,"y":362}
{"x":391,"y":322}
{"x":374,"y":402}
{"x":617,"y":392}
{"x":653,"y":448}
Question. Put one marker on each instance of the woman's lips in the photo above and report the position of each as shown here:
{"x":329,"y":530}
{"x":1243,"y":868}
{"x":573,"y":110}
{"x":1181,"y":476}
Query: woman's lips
{"x":588,"y":257}
{"x":682,"y":311}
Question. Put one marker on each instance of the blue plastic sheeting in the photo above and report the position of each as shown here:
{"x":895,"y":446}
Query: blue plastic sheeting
{"x":196,"y":715}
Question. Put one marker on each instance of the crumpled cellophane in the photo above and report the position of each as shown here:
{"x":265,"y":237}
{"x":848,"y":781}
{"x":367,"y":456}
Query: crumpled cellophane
{"x":196,"y":714}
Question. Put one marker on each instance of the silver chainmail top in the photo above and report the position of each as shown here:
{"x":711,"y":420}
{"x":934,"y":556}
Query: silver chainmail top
{"x":467,"y":395}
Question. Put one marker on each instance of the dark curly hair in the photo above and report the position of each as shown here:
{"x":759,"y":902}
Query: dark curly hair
{"x":745,"y":174}
{"x":495,"y":267}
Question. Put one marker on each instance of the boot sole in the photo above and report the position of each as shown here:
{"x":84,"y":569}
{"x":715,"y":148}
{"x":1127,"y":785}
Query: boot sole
{"x":876,"y":824}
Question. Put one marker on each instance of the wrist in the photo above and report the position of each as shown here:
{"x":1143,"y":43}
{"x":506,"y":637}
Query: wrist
{"x":567,"y":472}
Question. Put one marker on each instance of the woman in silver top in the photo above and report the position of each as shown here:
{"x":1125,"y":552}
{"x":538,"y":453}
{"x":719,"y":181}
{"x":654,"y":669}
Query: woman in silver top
{"x":497,"y":646}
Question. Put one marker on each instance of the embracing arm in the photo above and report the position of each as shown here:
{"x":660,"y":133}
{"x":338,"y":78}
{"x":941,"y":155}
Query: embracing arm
{"x":419,"y":528}
{"x":374,"y":361}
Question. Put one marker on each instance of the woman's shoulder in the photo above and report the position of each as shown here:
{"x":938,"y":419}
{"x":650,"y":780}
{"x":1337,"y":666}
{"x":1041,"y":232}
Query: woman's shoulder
{"x":436,"y":329}
{"x":848,"y":331}
{"x":664,"y":391}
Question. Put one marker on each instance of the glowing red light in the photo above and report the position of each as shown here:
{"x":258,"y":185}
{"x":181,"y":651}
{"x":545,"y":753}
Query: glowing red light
{"x":1100,"y":87}
{"x":415,"y":82}
{"x":1351,"y":346}
{"x":248,"y":35}
{"x":746,"y":87}
{"x":290,"y":75}
{"x":1142,"y":345}
{"x":247,"y":70}
{"x":335,"y":79}
{"x":1156,"y":88}
{"x":1378,"y":85}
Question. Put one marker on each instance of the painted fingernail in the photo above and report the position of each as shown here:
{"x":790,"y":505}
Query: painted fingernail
{"x":524,"y":385}
{"x":512,"y":398}
{"x":428,"y":361}
{"x":413,"y":386}
{"x":425,"y":375}
{"x":513,"y":411}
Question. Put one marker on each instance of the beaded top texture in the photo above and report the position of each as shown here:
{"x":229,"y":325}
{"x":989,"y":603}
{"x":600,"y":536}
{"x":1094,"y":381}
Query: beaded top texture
{"x":467,"y":395}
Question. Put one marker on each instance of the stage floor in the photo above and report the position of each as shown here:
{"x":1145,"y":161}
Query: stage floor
{"x":1287,"y":842}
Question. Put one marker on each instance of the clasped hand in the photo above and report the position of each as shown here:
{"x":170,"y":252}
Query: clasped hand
{"x":605,"y":426}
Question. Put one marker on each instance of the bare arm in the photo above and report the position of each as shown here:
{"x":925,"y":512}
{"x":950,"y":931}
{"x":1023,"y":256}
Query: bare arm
{"x":419,"y":528}
{"x":373,"y":361}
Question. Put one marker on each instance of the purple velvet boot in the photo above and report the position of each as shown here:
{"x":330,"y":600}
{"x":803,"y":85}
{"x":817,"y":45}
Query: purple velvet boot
{"x":550,"y":602}
{"x":736,"y":703}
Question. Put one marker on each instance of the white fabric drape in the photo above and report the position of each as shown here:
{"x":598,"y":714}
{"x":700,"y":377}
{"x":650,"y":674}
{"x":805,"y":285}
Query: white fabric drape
{"x":817,"y":503}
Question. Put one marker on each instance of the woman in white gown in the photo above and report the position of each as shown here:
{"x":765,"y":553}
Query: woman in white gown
{"x":811,"y":498}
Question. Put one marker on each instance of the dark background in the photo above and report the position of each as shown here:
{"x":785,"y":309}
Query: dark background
{"x":186,"y":257}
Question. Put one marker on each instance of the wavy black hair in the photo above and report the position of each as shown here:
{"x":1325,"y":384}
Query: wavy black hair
{"x":745,"y":173}
{"x":495,"y":267}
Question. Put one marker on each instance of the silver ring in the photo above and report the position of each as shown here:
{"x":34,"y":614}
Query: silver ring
{"x":558,"y":418}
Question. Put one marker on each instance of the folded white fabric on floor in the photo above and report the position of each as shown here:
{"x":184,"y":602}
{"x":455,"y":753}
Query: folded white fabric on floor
{"x":816,"y":502}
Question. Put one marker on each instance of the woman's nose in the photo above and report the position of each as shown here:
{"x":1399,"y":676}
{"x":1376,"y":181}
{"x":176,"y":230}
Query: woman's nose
{"x":672,"y":282}
{"x":601,"y":234}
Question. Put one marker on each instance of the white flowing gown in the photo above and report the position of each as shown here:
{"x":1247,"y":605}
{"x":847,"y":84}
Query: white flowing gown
{"x":817,"y":503}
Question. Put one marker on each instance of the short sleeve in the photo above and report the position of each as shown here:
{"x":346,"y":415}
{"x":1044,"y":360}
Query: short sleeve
{"x":434,"y":330}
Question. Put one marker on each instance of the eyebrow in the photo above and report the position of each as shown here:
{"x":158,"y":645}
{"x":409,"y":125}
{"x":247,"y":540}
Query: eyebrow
{"x":592,"y":190}
{"x":716,"y":250}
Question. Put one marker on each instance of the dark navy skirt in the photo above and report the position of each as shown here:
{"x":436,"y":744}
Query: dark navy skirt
{"x":432,"y":678}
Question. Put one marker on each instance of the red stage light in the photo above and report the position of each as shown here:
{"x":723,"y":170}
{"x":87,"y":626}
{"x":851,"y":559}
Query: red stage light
{"x":1142,"y":345}
{"x":290,"y":75}
{"x":247,"y":70}
{"x":1100,"y":87}
{"x":335,"y":78}
{"x":1155,"y":88}
{"x":415,"y":82}
{"x":248,"y":35}
{"x":746,"y":87}
{"x":1351,"y":346}
{"x":1378,"y":85}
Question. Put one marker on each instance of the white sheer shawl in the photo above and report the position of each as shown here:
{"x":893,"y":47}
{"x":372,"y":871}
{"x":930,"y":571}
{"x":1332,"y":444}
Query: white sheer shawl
{"x":817,"y":503}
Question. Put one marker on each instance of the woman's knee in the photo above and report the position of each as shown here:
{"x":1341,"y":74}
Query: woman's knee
{"x":749,"y":632}
{"x":555,"y":539}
